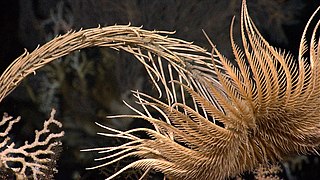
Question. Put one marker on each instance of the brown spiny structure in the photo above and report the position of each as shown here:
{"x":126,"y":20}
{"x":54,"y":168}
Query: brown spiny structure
{"x":217,"y":118}
{"x":267,"y":101}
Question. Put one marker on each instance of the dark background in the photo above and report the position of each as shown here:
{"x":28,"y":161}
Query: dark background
{"x":109,"y":75}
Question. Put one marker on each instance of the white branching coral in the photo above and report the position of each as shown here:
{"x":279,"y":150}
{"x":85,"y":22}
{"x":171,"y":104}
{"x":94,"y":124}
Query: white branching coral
{"x":33,"y":159}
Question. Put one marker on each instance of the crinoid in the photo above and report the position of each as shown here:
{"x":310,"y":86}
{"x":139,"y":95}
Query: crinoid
{"x":267,"y":102}
{"x":217,"y":118}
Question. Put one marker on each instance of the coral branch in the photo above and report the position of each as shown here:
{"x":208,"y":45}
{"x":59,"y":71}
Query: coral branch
{"x":32,"y":159}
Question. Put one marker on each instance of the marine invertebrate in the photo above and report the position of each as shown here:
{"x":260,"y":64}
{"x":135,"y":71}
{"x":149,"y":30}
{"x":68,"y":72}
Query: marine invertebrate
{"x":36,"y":159}
{"x":151,"y":48}
{"x":217,"y":118}
{"x":267,"y":103}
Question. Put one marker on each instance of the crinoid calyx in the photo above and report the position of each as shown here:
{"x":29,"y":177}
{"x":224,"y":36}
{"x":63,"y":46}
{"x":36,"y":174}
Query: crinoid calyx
{"x":217,"y":118}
